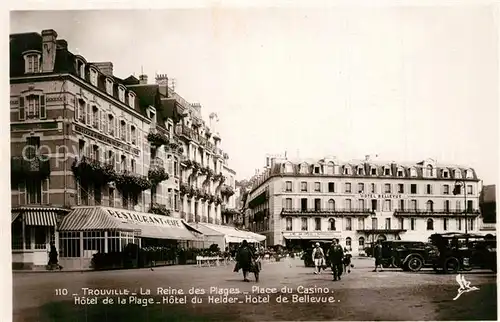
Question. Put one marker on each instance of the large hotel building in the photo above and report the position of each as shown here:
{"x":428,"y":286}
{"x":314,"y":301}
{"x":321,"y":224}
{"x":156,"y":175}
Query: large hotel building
{"x":361,"y":201}
{"x":99,"y":161}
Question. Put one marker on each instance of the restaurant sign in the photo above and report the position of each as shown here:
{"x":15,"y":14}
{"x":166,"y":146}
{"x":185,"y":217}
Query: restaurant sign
{"x":146,"y":219}
{"x":382,"y":196}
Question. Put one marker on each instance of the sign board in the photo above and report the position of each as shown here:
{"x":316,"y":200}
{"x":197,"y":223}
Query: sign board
{"x":382,"y":196}
{"x":145,"y":219}
{"x":313,"y":234}
{"x":106,"y":139}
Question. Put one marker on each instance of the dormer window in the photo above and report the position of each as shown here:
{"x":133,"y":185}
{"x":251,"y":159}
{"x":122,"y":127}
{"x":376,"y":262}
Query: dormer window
{"x":109,"y":86}
{"x":317,"y":169}
{"x":32,"y":62}
{"x":469,"y":174}
{"x":413,"y":172}
{"x":93,"y":76}
{"x":429,"y":171}
{"x":152,"y":114}
{"x":387,"y":171}
{"x":80,"y":68}
{"x":400,"y":173}
{"x":131,"y":100}
{"x":360,"y":170}
{"x":121,"y":94}
{"x":303,"y":168}
{"x":288,"y":168}
{"x":347,"y":170}
{"x":446,"y":174}
{"x":373,"y":171}
{"x":457,"y":174}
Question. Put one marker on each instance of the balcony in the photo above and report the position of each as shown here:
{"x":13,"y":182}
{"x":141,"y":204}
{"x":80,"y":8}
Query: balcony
{"x":347,"y":212}
{"x":436,"y":213}
{"x":160,"y":209}
{"x":156,"y":162}
{"x":90,"y":170}
{"x":185,"y":132}
{"x":158,"y":138}
{"x":37,"y":167}
{"x":157,"y":173}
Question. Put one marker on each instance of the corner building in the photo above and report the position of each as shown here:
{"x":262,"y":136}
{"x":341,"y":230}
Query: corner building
{"x":361,"y":201}
{"x":99,"y":161}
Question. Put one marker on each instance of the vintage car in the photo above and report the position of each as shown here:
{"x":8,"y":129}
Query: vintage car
{"x":415,"y":256}
{"x":464,"y":252}
{"x":390,"y":255}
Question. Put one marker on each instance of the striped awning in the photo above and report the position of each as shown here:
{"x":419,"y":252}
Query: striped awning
{"x":15,"y":214}
{"x":90,"y":218}
{"x":40,"y":218}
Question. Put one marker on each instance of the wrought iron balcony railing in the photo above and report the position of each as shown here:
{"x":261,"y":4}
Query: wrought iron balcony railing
{"x":434,"y":212}
{"x":318,"y":211}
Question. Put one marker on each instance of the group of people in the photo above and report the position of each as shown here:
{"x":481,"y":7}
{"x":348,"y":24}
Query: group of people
{"x":338,"y":257}
{"x":248,"y":259}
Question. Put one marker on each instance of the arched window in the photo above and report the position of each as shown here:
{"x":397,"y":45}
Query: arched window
{"x":430,"y":206}
{"x":348,"y":243}
{"x":331,"y":205}
{"x":361,"y":242}
{"x":430,"y":224}
{"x":331,"y":223}
{"x":457,"y":174}
{"x":413,"y":172}
{"x":429,"y":170}
{"x":468,"y":174}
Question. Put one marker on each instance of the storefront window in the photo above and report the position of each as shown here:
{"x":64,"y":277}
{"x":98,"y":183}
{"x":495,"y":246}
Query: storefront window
{"x":69,"y":244}
{"x":93,"y":241}
{"x":40,"y":237}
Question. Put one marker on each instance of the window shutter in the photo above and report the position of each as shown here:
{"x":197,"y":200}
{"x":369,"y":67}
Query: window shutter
{"x":99,"y":122}
{"x":88,"y":118}
{"x":45,"y":191}
{"x":170,"y":167}
{"x":43,"y":111}
{"x":77,"y":109}
{"x":127,"y":128}
{"x":117,"y":160}
{"x":22,"y":193}
{"x":22,"y":110}
{"x":284,"y":186}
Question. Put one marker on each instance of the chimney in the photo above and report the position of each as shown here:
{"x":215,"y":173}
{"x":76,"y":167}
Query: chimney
{"x":162,"y":82}
{"x":49,"y":47}
{"x":62,"y":44}
{"x":143,"y":79}
{"x":105,"y":67}
{"x":367,"y":157}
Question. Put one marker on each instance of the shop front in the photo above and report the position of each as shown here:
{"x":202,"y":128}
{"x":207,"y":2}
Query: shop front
{"x":87,"y":231}
{"x":304,"y":239}
{"x":227,"y":236}
{"x":32,"y":231}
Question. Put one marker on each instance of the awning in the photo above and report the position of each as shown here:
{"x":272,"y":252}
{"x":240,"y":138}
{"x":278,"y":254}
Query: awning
{"x":147,"y":225}
{"x":15,"y":214}
{"x":231,"y":239}
{"x":234,"y":235}
{"x":40,"y":218}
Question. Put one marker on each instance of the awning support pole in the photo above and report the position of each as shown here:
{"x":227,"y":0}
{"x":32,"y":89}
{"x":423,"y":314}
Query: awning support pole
{"x":24,"y":231}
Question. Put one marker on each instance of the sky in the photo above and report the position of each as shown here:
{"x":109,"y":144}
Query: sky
{"x":403,"y":83}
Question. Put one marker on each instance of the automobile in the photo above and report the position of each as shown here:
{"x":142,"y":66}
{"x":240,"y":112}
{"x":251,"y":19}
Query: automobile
{"x":464,"y":252}
{"x":390,"y":248}
{"x":307,"y":254}
{"x":414,"y":256}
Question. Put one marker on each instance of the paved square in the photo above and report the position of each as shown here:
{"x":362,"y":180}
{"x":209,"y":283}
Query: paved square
{"x":360,"y":295}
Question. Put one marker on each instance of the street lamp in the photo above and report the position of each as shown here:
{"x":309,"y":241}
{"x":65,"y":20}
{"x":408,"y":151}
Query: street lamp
{"x":456,"y":191}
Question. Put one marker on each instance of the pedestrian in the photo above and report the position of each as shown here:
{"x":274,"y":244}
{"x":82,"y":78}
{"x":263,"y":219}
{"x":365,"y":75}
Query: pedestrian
{"x":245,"y":260}
{"x":336,"y":256}
{"x":318,"y":257}
{"x":377,"y":253}
{"x":347,"y":261}
{"x":53,"y":261}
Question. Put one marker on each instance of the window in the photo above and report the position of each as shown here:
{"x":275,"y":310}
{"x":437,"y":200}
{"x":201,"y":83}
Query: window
{"x":374,"y":223}
{"x":361,"y":223}
{"x":32,"y":107}
{"x":414,"y":205}
{"x":317,"y":223}
{"x":132,"y":165}
{"x":445,"y":223}
{"x":303,"y":186}
{"x":361,"y":242}
{"x":123,"y":163}
{"x":33,"y":192}
{"x":447,"y":206}
{"x":303,"y":204}
{"x":387,"y":188}
{"x":317,"y":204}
{"x":332,"y":226}
{"x":360,"y":170}
{"x":361,"y":204}
{"x":469,"y":174}
{"x":374,"y":171}
{"x":317,"y":170}
{"x":347,"y":187}
{"x":348,"y":243}
{"x":471,"y":224}
{"x":388,"y":223}
{"x":31,"y":147}
{"x":348,"y":224}
{"x":430,"y":224}
{"x":387,"y":205}
{"x":413,"y":188}
{"x":304,"y":224}
{"x":303,"y":168}
{"x":93,"y":77}
{"x":400,"y":173}
{"x":361,"y":187}
{"x":401,"y":223}
{"x":458,"y":205}
{"x":288,"y":186}
{"x":469,"y":189}
{"x":401,"y":204}
{"x":80,"y":68}
{"x":109,"y":86}
{"x":123,"y":130}
{"x":374,"y":204}
{"x":413,"y":172}
{"x":348,"y":204}
{"x":288,"y":168}
{"x":121,"y":94}
{"x":413,"y":225}
{"x":373,"y":188}
{"x":32,"y":63}
{"x":459,"y":224}
{"x":446,"y":174}
{"x":446,"y":189}
{"x":331,"y":205}
{"x":131,"y":100}
{"x":329,"y":168}
{"x":469,"y":205}
{"x":95,"y":117}
{"x":387,"y":171}
{"x":317,"y":187}
{"x":428,"y":189}
{"x":429,"y":171}
{"x":331,"y":187}
{"x":288,"y":224}
{"x":457,"y":174}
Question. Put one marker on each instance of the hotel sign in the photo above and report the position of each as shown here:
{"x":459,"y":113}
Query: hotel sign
{"x":107,"y":139}
{"x":382,"y":196}
{"x":146,"y":219}
{"x":320,"y":234}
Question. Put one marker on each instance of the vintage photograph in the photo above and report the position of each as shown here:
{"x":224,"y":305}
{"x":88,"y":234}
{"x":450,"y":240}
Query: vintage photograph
{"x":284,"y":163}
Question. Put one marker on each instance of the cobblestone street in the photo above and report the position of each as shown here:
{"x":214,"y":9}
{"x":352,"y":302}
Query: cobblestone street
{"x":360,"y":295}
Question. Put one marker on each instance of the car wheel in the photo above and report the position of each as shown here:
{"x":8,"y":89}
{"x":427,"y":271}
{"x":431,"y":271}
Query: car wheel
{"x":415,"y":264}
{"x":451,"y":265}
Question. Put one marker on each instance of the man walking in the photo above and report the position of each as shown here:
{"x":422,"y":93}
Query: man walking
{"x":336,"y":255}
{"x":377,"y":253}
{"x":318,"y":257}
